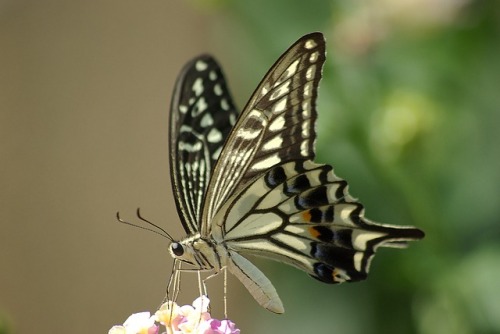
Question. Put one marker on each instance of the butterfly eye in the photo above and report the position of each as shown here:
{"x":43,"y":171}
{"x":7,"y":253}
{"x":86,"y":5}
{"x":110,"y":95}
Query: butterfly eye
{"x":177,"y":249}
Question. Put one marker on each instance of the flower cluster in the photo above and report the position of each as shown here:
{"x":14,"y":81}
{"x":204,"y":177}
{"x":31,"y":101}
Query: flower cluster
{"x":193,"y":319}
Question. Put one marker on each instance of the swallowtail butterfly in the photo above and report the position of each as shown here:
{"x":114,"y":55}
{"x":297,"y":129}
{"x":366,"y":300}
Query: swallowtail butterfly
{"x":247,"y":183}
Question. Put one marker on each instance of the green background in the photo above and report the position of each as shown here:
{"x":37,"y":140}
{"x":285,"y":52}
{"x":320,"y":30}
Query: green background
{"x":409,"y":108}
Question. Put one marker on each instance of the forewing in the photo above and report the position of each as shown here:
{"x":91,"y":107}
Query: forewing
{"x":201,"y":117}
{"x":277,"y":124}
{"x":301,"y":213}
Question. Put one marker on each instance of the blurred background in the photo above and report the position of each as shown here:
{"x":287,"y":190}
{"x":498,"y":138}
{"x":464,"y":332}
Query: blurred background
{"x":409,"y":111}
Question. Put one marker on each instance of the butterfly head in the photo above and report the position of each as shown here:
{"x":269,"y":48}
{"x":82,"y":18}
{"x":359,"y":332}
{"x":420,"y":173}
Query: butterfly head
{"x":176,"y":249}
{"x":179,"y":250}
{"x":196,"y":251}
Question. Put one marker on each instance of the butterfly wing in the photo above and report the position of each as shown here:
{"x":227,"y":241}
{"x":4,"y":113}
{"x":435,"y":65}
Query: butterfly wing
{"x":301,"y":213}
{"x":259,"y":286}
{"x":268,"y":198}
{"x":201,"y":116}
{"x":277,"y":124}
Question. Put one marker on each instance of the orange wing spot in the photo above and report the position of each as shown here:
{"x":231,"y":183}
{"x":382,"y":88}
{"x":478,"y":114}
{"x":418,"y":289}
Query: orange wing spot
{"x":314,"y":233}
{"x":306,"y":215}
{"x":339,"y":276}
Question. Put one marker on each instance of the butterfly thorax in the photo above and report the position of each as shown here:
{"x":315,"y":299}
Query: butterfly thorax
{"x":200,"y":252}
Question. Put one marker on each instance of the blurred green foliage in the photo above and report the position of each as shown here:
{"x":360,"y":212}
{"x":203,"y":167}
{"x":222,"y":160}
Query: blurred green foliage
{"x":409,"y":115}
{"x":5,"y":324}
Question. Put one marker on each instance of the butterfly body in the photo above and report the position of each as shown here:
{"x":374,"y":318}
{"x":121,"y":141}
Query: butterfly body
{"x":247,"y":184}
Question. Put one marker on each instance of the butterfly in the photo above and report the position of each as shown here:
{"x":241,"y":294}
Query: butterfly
{"x":247,"y":184}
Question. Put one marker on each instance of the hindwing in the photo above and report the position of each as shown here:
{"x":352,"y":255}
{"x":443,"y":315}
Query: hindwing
{"x":301,"y":213}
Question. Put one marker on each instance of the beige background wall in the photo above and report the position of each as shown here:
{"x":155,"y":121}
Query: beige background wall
{"x":85,"y":89}
{"x":84,"y":97}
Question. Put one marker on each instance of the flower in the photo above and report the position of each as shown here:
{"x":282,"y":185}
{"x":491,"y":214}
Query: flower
{"x":222,"y":327}
{"x":192,"y":319}
{"x":169,"y":314}
{"x":137,"y":323}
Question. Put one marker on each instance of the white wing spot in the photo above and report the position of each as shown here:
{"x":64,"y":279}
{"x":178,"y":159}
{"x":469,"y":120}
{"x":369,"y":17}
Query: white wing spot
{"x":306,"y":113}
{"x":212,"y":75}
{"x":304,"y":148}
{"x":224,"y":105}
{"x":198,"y":87}
{"x":291,"y":70}
{"x":183,"y":109}
{"x":264,"y":90}
{"x":361,"y":238}
{"x":309,"y":44}
{"x":332,"y":191}
{"x":306,"y":104}
{"x":310,"y":72}
{"x":216,"y":153}
{"x":280,"y":105}
{"x":201,"y":106}
{"x":277,"y":124}
{"x":306,"y":108}
{"x":248,"y":134}
{"x":358,"y":259}
{"x":183,"y":146}
{"x":195,"y":165}
{"x":308,"y":89}
{"x":218,"y":90}
{"x":201,"y":66}
{"x":305,"y":129}
{"x":214,"y":136}
{"x":232,"y":119}
{"x":267,"y":163}
{"x":191,"y":101}
{"x":207,"y":120}
{"x":314,"y":57}
{"x":202,"y":167}
{"x":273,"y":144}
{"x":284,"y":89}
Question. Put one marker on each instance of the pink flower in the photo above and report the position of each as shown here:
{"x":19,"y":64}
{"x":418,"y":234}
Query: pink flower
{"x":222,"y":327}
{"x":192,"y":319}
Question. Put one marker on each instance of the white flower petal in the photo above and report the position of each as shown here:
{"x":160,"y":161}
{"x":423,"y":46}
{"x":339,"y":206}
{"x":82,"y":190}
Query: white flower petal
{"x":201,"y":304}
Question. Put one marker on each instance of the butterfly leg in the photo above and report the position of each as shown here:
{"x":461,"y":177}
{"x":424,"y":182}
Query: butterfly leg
{"x":172,"y":282}
{"x":225,"y":293}
{"x":174,"y":285}
{"x":223,"y":269}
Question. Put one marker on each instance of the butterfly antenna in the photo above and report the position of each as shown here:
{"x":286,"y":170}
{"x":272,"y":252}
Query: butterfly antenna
{"x":160,"y":231}
{"x":154,"y":225}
